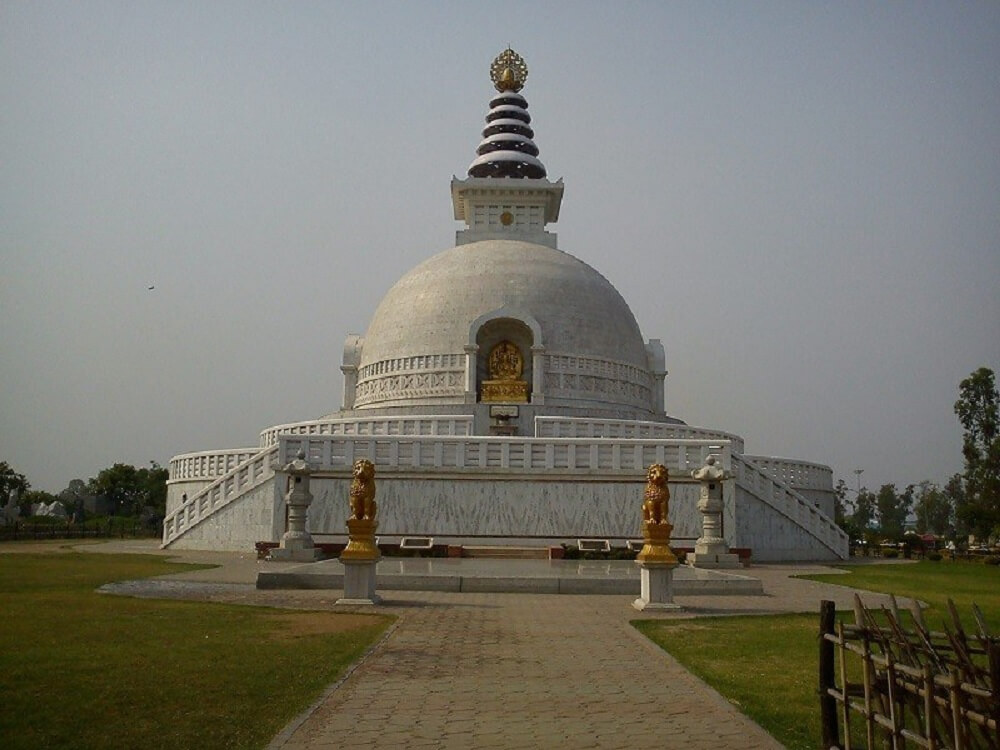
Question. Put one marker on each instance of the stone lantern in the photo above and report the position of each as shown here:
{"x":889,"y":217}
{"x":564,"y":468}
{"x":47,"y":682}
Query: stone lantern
{"x":711,"y":549}
{"x":296,"y":542}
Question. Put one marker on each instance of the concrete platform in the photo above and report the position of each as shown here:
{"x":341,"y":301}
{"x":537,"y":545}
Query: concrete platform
{"x":468,"y":575}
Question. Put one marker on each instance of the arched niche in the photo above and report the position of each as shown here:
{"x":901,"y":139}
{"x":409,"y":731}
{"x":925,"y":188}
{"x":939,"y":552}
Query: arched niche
{"x":515,"y":326}
{"x":491,"y":335}
{"x":505,"y":324}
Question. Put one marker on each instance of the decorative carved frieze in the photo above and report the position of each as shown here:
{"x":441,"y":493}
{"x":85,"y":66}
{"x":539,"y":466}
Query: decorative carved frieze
{"x":411,"y":386}
{"x":590,"y":377}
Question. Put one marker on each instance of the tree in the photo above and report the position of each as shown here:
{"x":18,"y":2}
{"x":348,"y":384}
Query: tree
{"x":154,"y":482}
{"x":76,"y":492}
{"x":11,"y":482}
{"x":893,"y":508}
{"x":130,"y":489}
{"x":844,"y":512}
{"x":954,"y":490}
{"x":934,"y":510}
{"x":978,"y":409}
{"x":120,"y":485}
{"x":864,"y":511}
{"x":840,"y":503}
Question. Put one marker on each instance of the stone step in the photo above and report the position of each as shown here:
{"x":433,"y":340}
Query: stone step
{"x":507,"y":553}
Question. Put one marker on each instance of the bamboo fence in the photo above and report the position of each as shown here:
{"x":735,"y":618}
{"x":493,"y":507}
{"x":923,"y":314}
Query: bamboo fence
{"x":883,"y":685}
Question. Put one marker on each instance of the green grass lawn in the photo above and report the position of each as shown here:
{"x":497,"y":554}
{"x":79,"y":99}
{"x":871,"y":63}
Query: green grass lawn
{"x":79,"y":669}
{"x":767,"y":665}
{"x":933,"y":583}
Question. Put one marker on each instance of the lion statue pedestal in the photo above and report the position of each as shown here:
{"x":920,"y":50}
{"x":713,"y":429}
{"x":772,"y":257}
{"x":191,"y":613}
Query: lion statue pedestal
{"x":361,"y":554}
{"x":361,"y":541}
{"x":656,"y":560}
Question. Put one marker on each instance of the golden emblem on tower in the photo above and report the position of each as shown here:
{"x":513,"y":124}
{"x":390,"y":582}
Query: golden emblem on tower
{"x":506,"y":365}
{"x":509,"y":71}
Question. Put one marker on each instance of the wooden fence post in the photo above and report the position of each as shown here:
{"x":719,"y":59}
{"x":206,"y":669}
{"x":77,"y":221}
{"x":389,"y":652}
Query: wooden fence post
{"x":827,"y":703}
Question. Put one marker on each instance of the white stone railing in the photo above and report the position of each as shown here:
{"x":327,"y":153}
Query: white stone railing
{"x":427,"y":425}
{"x":504,"y":454}
{"x":252,"y":472}
{"x":578,"y":427}
{"x":802,"y":475}
{"x":208,"y":464}
{"x":785,"y":500}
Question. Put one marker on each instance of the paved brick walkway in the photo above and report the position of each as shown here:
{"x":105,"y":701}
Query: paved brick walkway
{"x":520,"y":671}
{"x":517,"y":670}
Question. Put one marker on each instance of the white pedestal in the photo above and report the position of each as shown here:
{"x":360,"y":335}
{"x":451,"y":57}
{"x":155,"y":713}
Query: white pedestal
{"x":359,"y":583}
{"x":713,"y":560}
{"x":296,"y":550}
{"x":657,"y":587}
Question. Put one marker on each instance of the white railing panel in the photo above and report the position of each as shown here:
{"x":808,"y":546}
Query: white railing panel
{"x":802,"y":475}
{"x":203,"y":465}
{"x":588,"y":455}
{"x":401,"y":425}
{"x":582,"y":427}
{"x":243,"y":477}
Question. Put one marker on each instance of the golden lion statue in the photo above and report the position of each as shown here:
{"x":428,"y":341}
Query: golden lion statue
{"x":655,"y":507}
{"x":363,"y":490}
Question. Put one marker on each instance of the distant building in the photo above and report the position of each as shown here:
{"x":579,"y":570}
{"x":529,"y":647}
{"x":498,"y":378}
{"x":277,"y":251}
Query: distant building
{"x":506,"y":394}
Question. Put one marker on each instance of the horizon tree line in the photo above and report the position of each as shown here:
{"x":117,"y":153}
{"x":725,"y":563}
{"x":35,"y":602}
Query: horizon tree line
{"x":967,"y":504}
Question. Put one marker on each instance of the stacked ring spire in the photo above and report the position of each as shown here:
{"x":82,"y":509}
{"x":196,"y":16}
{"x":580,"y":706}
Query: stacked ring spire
{"x":507,"y":148}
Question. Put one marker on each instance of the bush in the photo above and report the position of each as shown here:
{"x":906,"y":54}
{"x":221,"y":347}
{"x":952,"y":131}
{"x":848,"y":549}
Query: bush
{"x":992,"y":560}
{"x":935,"y":556}
{"x":891,"y":554}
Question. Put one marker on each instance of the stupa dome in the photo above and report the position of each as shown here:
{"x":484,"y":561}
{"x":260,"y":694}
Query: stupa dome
{"x":468,"y":296}
{"x":430,"y":310}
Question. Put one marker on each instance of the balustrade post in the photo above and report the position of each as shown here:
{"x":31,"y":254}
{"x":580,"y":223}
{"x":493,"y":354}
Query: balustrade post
{"x":538,"y":375}
{"x":471,"y":350}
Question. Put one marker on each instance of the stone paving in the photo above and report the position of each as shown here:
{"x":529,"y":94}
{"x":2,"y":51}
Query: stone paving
{"x":517,"y":670}
{"x":520,"y":671}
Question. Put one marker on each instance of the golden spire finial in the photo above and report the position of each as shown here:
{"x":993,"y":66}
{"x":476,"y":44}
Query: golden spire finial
{"x":508,"y":71}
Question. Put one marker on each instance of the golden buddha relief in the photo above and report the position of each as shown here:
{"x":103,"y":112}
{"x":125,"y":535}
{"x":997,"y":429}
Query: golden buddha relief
{"x":506,"y":364}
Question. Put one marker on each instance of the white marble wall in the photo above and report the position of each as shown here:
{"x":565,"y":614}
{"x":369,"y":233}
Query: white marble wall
{"x":515,"y":508}
{"x":466,"y":506}
{"x":772,"y":536}
{"x":259,"y":515}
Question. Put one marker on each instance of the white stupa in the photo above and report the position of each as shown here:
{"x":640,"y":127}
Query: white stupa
{"x":506,"y":395}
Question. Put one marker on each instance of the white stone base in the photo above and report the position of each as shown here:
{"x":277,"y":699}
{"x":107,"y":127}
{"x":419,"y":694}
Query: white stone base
{"x":657,"y":588}
{"x":718,"y":560}
{"x":296,"y":554}
{"x":359,"y":583}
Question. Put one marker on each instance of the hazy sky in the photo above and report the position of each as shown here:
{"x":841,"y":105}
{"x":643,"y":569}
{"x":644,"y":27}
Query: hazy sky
{"x":802,"y":200}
